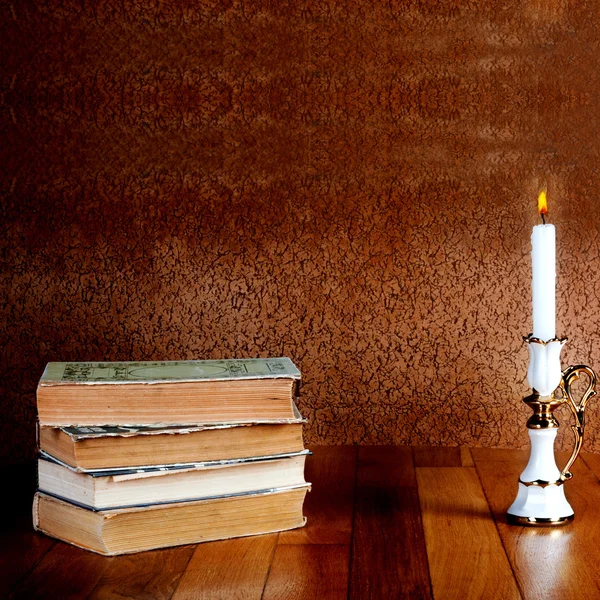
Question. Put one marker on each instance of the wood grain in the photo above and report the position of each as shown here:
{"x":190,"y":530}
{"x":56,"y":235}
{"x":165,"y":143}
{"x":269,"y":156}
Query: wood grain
{"x":234,"y":569}
{"x":466,"y":460}
{"x":593,"y":463}
{"x":493,"y":455}
{"x":66,"y":572}
{"x":554,"y":563}
{"x":435,"y":456}
{"x":328,"y":508}
{"x":388,"y":547}
{"x":309,"y":571}
{"x":21,"y":548}
{"x":143,"y":576}
{"x":466,"y":557}
{"x":386,"y":467}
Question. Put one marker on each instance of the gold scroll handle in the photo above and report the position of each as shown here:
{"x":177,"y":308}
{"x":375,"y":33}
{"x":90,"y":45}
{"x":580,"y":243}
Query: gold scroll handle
{"x":569,"y":376}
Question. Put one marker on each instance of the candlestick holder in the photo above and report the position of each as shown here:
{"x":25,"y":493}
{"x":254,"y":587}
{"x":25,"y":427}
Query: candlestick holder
{"x":541,"y":496}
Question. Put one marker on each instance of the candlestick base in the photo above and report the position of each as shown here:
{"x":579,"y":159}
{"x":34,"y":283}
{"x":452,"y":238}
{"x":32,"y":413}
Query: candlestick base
{"x":541,"y":496}
{"x":538,"y":521}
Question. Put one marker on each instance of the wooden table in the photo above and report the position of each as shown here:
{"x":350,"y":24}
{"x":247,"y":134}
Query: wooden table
{"x":383,"y":522}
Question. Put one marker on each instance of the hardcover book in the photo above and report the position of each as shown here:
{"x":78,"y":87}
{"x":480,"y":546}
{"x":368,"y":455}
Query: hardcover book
{"x":125,"y":488}
{"x":167,"y":393}
{"x":106,"y":447}
{"x":121,"y":531}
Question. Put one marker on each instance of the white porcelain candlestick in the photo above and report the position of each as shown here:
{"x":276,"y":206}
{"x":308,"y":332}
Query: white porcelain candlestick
{"x":541,"y":496}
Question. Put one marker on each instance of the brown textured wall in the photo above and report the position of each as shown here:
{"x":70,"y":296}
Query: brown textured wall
{"x":351,"y":184}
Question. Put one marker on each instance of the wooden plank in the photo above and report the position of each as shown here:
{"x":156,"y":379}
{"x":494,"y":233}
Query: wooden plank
{"x":466,"y":557}
{"x":328,"y":508}
{"x":309,"y":571}
{"x":499,"y":455}
{"x":65,"y":572}
{"x":593,"y":463}
{"x":228,"y":569}
{"x":385,"y":467}
{"x":466,"y":460}
{"x":435,"y":456}
{"x":21,"y":548}
{"x":549,"y":562}
{"x":152,"y":574}
{"x":388,"y":546}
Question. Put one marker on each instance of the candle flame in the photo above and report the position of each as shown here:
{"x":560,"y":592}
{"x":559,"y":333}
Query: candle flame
{"x":542,"y":203}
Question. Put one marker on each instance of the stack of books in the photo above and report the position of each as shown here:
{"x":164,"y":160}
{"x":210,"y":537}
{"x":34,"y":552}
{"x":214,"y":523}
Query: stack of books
{"x":142,"y":455}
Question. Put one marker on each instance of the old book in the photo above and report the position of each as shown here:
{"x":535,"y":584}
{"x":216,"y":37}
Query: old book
{"x":103,"y":447}
{"x":169,"y":393}
{"x":144,"y":528}
{"x":124,"y":488}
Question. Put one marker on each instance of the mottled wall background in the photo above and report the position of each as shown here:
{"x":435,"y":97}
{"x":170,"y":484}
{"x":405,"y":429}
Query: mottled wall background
{"x":351,"y":184}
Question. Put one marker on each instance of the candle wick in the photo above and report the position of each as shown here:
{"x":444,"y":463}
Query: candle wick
{"x":543,"y":218}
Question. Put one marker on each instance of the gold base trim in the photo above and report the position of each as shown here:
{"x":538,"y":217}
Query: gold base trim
{"x":542,"y":483}
{"x":538,"y":521}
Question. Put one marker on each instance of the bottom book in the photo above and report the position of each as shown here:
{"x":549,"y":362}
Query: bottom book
{"x":122,"y":531}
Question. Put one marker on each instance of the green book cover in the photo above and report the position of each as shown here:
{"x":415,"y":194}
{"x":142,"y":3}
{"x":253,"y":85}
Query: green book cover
{"x":57,"y":373}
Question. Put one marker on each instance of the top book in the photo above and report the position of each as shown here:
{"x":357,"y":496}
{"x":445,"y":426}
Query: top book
{"x":167,"y":393}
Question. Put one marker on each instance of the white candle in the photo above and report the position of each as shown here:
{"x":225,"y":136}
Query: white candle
{"x":543,"y":259}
